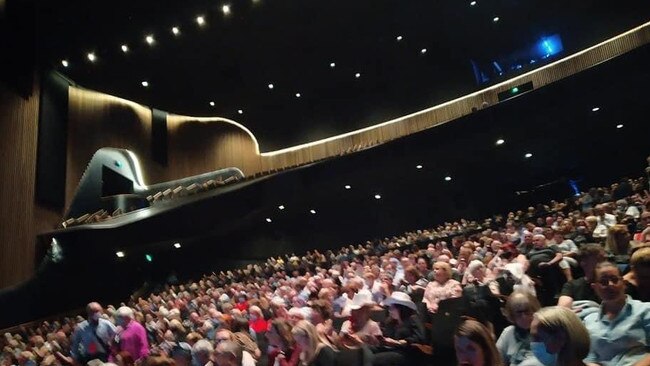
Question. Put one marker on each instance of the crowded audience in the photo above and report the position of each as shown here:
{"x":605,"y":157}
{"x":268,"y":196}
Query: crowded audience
{"x":566,"y":283}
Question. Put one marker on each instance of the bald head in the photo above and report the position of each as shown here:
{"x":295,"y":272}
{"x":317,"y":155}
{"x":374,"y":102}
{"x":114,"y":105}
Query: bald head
{"x":94,"y":311}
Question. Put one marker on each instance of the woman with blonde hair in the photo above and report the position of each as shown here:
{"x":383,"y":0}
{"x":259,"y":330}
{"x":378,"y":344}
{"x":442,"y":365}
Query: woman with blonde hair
{"x":559,"y":337}
{"x":442,"y":287}
{"x":313,"y":352}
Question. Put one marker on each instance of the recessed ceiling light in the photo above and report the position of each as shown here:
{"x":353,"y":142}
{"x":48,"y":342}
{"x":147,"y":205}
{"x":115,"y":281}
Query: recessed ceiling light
{"x":145,"y":83}
{"x":211,"y":104}
{"x":357,"y":75}
{"x":91,"y":57}
{"x":65,"y":63}
{"x":418,"y":166}
{"x":528,"y":155}
{"x":225,"y":9}
{"x":177,"y":245}
{"x":495,"y":19}
{"x":270,"y":86}
{"x":399,"y":38}
{"x":200,"y":20}
{"x":620,"y":125}
{"x":332,"y":64}
{"x":313,"y":212}
{"x":377,"y":197}
{"x":447,"y":178}
{"x":281,"y":207}
{"x":423,"y":51}
{"x":240,"y":111}
{"x":472,"y":3}
{"x":298,"y":95}
{"x":595,"y":109}
{"x":268,"y":219}
{"x":347,"y":186}
{"x":176,"y":31}
{"x":500,"y":141}
{"x":125,"y":48}
{"x":119,"y":254}
{"x":149,"y":39}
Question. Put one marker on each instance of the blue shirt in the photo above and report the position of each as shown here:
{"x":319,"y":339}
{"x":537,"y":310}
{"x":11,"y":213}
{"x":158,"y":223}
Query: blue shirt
{"x":84,"y":340}
{"x":621,"y":341}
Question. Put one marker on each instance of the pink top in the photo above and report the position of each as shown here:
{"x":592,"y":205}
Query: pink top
{"x":435,"y":292}
{"x":133,"y":339}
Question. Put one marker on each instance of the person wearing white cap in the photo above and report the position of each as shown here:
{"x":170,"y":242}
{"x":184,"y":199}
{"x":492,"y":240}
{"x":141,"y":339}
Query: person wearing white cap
{"x":360,"y":329}
{"x":402,"y":330}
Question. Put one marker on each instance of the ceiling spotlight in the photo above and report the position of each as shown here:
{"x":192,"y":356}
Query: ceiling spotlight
{"x":620,"y":125}
{"x":119,"y":254}
{"x":377,"y":197}
{"x":149,"y":39}
{"x":268,"y":219}
{"x":145,"y":83}
{"x":270,"y":86}
{"x":240,"y":111}
{"x":225,"y":9}
{"x":65,"y":63}
{"x":528,"y":155}
{"x":447,"y":178}
{"x":297,"y":95}
{"x":176,"y":31}
{"x":281,"y":207}
{"x":418,"y":166}
{"x":313,"y":212}
{"x":211,"y":104}
{"x":91,"y":57}
{"x":200,"y":20}
{"x":495,"y":19}
{"x":500,"y":141}
{"x":332,"y":64}
{"x":347,"y":186}
{"x":125,"y":48}
{"x":423,"y":51}
{"x":357,"y":75}
{"x":595,"y":109}
{"x":399,"y":38}
{"x":472,"y":3}
{"x":177,"y":245}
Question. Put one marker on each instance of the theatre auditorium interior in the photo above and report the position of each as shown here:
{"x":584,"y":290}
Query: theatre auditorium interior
{"x":293,"y":182}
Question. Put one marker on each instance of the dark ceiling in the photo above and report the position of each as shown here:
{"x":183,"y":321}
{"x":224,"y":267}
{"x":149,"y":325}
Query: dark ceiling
{"x":291,"y":43}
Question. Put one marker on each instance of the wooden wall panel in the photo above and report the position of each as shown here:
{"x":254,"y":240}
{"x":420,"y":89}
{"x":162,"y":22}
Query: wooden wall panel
{"x":19,"y":131}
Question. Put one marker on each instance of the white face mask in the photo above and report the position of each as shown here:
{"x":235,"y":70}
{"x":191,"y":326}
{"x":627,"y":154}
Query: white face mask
{"x":543,"y":356}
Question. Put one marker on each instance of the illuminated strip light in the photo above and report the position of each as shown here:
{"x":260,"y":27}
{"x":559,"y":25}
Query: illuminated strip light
{"x":139,"y":180}
{"x":494,"y":87}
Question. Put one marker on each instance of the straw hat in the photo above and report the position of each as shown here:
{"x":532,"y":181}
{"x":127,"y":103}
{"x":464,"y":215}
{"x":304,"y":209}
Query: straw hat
{"x":400,"y":298}
{"x":361,"y":299}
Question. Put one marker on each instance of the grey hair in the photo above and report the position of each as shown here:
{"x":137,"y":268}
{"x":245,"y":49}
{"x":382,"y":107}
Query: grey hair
{"x":125,"y":312}
{"x":202,"y":346}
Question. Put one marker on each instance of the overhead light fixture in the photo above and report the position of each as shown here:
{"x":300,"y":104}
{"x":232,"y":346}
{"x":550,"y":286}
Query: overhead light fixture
{"x":399,"y":38}
{"x":149,"y":39}
{"x":332,"y":64}
{"x":357,"y":75}
{"x":91,"y":57}
{"x":200,"y":20}
{"x":297,"y":95}
{"x":377,"y":197}
{"x":268,"y":219}
{"x":495,"y":19}
{"x":211,"y":104}
{"x":65,"y":63}
{"x":148,"y":257}
{"x":225,"y":9}
{"x":418,"y":166}
{"x":240,"y":111}
{"x":270,"y":86}
{"x":619,"y":126}
{"x":176,"y":31}
{"x":281,"y":207}
{"x":145,"y":83}
{"x":119,"y":254}
{"x":423,"y":51}
{"x":528,"y":155}
{"x":177,"y":245}
{"x":347,"y":186}
{"x":500,"y":141}
{"x":595,"y":109}
{"x":313,"y":212}
{"x":124,"y":48}
{"x":447,"y":178}
{"x":472,"y":3}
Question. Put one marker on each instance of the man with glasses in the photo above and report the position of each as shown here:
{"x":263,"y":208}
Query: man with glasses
{"x":620,"y":331}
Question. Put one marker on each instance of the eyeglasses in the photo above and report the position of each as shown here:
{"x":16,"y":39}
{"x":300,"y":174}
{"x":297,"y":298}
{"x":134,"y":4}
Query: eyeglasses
{"x":604,"y":281}
{"x":523,"y":312}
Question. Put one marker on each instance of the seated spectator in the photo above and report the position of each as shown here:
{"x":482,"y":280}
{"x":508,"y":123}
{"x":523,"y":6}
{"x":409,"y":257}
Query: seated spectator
{"x":442,"y":287}
{"x":242,"y":335}
{"x":618,"y":245}
{"x":514,"y":342}
{"x":256,"y":320}
{"x":620,"y":331}
{"x":475,"y":345}
{"x":281,"y":344}
{"x":360,"y":329}
{"x":182,"y":355}
{"x":321,"y":318}
{"x":638,"y":279}
{"x":202,"y":352}
{"x":595,"y":229}
{"x":413,"y":281}
{"x":544,"y":267}
{"x":581,"y":288}
{"x":559,"y":337}
{"x":603,"y":217}
{"x":92,"y":337}
{"x":313,"y":352}
{"x":228,"y":353}
{"x":248,"y":349}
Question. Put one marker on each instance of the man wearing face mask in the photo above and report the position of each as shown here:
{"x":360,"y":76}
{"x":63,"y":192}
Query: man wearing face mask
{"x":92,"y":338}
